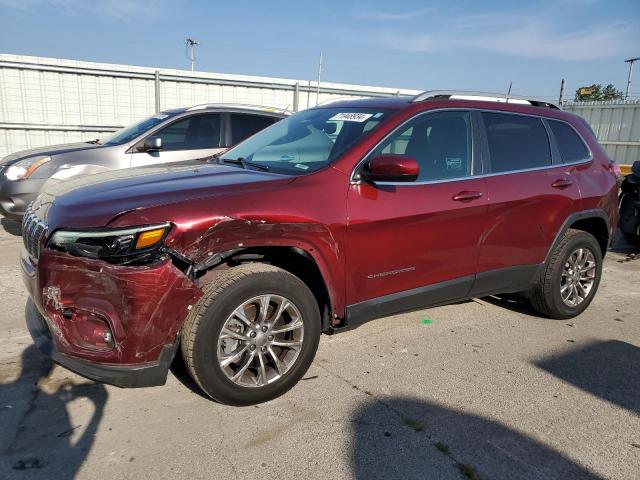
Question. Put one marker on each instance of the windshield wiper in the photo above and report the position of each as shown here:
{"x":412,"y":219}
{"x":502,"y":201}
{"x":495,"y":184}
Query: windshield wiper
{"x":243,"y":163}
{"x":96,"y":141}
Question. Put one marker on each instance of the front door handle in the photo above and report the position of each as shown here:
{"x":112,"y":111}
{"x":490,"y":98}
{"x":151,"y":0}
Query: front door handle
{"x":466,"y":196}
{"x":562,"y":183}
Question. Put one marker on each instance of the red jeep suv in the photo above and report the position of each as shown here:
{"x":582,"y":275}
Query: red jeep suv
{"x":341,"y":213}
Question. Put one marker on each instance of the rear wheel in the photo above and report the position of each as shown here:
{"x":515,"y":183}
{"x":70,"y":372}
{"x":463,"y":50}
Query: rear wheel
{"x":252,"y":336}
{"x":571,"y":276}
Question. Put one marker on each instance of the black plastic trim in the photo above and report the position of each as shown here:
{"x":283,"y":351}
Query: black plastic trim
{"x":421,"y":297}
{"x":128,"y":376}
{"x":518,"y":278}
{"x":574,"y":217}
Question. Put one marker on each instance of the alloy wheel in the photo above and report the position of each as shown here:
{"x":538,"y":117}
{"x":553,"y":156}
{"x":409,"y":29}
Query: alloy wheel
{"x":578,"y":276}
{"x":260,"y":341}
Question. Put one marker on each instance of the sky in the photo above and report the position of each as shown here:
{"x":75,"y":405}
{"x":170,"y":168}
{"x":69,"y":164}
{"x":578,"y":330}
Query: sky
{"x":465,"y":45}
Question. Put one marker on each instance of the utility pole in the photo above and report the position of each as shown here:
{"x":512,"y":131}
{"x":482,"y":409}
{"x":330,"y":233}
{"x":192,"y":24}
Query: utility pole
{"x":561,"y":92}
{"x":319,"y":74}
{"x":630,"y":62}
{"x":191,"y":45}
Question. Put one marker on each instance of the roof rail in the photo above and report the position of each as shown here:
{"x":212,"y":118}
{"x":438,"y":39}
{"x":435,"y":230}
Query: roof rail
{"x":240,"y":106}
{"x":483,"y":96}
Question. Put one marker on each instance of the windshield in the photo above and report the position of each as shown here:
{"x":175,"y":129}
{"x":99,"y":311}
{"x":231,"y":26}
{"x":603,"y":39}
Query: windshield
{"x":132,"y":131}
{"x":307,"y":141}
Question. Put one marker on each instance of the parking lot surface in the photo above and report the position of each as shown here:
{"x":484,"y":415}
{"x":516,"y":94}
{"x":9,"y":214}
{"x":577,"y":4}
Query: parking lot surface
{"x":483,"y":389}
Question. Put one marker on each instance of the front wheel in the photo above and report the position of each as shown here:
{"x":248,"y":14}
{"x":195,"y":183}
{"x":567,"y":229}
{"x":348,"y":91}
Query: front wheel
{"x":571,"y":276}
{"x":252,"y":335}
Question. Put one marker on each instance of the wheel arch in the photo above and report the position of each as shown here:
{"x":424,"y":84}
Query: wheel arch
{"x":295,"y":260}
{"x":593,"y":221}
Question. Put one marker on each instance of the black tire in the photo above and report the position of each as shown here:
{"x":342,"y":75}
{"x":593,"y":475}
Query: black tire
{"x":545,"y":297}
{"x":222,"y":296}
{"x":631,"y":238}
{"x":629,"y":220}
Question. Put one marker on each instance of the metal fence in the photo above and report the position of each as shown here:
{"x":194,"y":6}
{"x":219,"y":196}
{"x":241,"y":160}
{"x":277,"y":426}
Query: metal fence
{"x":616,"y":124}
{"x":45,"y":101}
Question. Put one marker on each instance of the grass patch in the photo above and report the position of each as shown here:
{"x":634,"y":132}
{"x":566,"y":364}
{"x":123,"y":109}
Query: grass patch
{"x":413,"y":424}
{"x":442,"y":447}
{"x":468,"y":472}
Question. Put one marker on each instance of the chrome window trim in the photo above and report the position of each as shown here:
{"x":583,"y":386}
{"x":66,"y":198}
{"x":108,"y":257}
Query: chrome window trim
{"x":484,"y":175}
{"x":354,"y":181}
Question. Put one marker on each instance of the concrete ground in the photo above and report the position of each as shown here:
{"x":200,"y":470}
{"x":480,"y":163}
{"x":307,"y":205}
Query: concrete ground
{"x":481,"y":389}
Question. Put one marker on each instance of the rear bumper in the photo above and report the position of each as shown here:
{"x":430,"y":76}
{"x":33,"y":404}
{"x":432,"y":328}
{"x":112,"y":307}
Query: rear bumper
{"x":129,"y":376}
{"x":15,"y":196}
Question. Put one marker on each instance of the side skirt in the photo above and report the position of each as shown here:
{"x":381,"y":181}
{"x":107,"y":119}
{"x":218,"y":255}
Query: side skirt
{"x":504,"y":280}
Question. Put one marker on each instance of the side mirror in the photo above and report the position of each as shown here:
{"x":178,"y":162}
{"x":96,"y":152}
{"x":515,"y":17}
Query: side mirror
{"x":152,"y":144}
{"x":391,"y":167}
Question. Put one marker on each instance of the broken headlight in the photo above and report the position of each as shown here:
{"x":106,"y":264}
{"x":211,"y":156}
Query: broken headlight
{"x":115,"y":244}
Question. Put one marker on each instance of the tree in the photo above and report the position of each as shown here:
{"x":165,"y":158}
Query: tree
{"x":598,"y":93}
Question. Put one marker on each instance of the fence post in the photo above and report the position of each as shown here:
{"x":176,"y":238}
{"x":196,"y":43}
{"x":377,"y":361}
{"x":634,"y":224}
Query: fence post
{"x":157,"y":90}
{"x":296,"y":96}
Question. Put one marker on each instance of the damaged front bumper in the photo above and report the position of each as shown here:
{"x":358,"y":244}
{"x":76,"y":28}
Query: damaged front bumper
{"x":142,"y":309}
{"x":130,"y":376}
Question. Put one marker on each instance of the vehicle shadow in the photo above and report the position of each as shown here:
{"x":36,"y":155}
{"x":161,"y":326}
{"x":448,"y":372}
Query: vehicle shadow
{"x":607,"y":369}
{"x":179,"y":370}
{"x":38,"y":437}
{"x":407,"y":438}
{"x":12,"y":227}
{"x":513,"y":302}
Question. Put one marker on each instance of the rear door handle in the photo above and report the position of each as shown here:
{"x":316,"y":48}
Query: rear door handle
{"x":466,"y":196}
{"x":562,"y":183}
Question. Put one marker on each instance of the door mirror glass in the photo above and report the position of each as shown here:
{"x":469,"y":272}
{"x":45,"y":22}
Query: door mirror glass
{"x":152,"y":144}
{"x":389,"y":167}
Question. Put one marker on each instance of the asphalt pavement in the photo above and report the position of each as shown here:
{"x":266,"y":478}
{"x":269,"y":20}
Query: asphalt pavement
{"x":483,"y":389}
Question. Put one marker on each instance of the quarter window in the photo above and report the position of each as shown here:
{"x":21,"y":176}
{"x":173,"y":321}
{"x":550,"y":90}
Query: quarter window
{"x":193,"y":132}
{"x":572,"y":148}
{"x":440,"y":143}
{"x":516,"y":142}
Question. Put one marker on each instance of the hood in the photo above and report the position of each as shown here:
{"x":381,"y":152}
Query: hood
{"x":50,"y":150}
{"x":95,"y":200}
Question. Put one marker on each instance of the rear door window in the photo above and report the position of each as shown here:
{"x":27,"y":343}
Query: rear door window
{"x":516,"y":142}
{"x":571,"y":146}
{"x":191,"y":133}
{"x":245,"y":125}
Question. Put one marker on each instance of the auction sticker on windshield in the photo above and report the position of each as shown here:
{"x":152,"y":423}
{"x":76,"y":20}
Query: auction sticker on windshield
{"x":351,"y":117}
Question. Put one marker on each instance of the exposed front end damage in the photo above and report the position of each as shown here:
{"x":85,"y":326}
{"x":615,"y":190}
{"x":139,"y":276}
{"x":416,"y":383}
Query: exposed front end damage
{"x":111,"y":306}
{"x":108,"y":322}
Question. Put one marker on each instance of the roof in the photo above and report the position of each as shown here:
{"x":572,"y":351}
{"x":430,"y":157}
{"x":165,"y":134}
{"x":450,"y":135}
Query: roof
{"x":393,"y":102}
{"x":401,"y":101}
{"x":232,"y":107}
{"x":484,"y":97}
